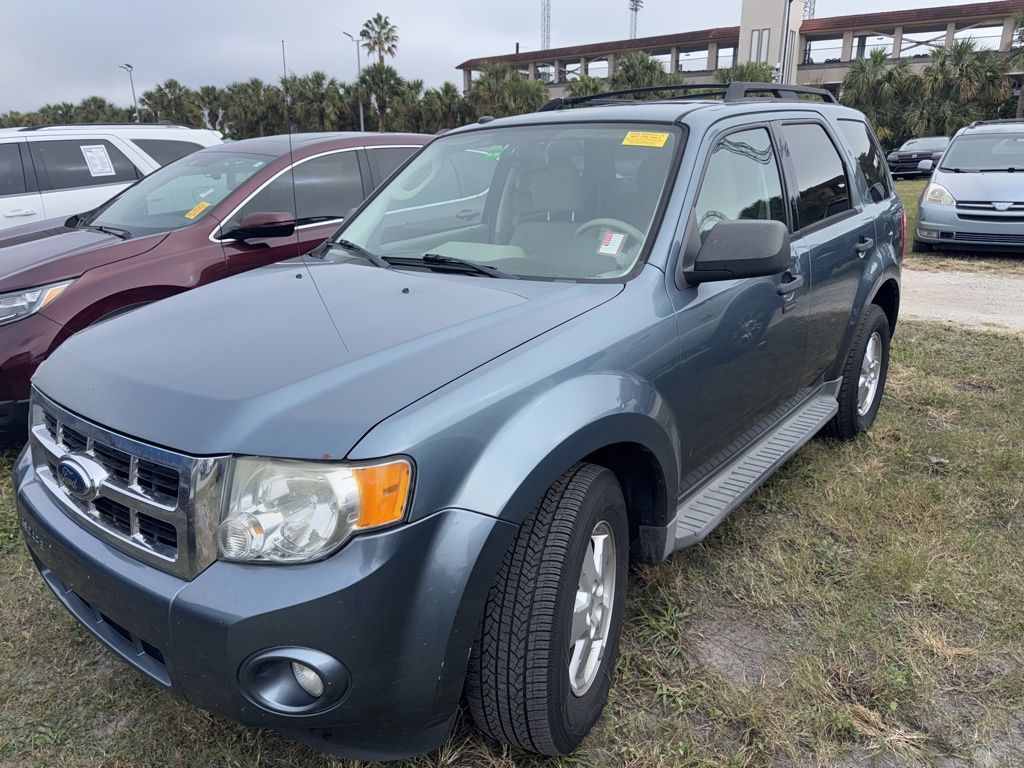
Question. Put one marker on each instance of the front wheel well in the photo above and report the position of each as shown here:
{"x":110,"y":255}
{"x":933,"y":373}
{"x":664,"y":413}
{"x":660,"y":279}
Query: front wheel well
{"x":887,"y":298}
{"x":643,"y":487}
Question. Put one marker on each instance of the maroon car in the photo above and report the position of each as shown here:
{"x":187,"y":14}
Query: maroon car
{"x":214,"y":213}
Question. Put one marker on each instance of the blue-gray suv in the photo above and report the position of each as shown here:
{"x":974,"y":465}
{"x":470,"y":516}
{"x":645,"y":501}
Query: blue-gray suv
{"x":340,"y":494}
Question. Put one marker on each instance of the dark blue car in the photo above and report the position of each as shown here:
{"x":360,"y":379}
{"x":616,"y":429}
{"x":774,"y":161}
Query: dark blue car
{"x":334,"y":495}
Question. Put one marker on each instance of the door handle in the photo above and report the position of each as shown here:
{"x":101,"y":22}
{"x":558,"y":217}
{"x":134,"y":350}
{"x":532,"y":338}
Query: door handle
{"x":467,"y":215}
{"x":789,"y":286}
{"x":864,"y":245}
{"x":15,"y":212}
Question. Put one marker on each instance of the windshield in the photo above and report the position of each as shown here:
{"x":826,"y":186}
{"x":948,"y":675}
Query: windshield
{"x":179,"y":194}
{"x":992,"y":152}
{"x":564,"y":201}
{"x":929,"y":144}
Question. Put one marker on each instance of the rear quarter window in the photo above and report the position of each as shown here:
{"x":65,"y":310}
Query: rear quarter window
{"x":870,"y":161}
{"x":12,"y":174}
{"x":76,"y":163}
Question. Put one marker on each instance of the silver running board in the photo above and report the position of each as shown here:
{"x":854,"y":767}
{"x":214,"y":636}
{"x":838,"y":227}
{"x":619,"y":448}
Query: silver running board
{"x":702,"y":510}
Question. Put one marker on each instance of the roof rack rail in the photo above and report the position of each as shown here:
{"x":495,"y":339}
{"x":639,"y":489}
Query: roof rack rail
{"x":728,"y":92}
{"x":1010,"y":121}
{"x":164,"y":124}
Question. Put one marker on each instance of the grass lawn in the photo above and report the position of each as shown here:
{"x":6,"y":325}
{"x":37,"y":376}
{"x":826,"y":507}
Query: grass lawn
{"x":1007,"y":264}
{"x":867,"y":603}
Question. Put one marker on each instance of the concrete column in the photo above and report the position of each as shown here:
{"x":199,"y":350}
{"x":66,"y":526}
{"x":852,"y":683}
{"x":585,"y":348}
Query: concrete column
{"x":584,"y":65}
{"x":897,"y":43}
{"x":1006,"y":42}
{"x":673,"y":60}
{"x":712,"y":56}
{"x":611,"y":64}
{"x":467,"y":80}
{"x":862,"y":47}
{"x":847,"y":46}
{"x":950,"y":34}
{"x":559,"y":74}
{"x":533,"y":70}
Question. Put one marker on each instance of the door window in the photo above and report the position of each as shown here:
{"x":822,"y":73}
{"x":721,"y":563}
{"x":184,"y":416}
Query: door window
{"x":742,"y":181}
{"x":824,"y":190}
{"x":869,"y":157}
{"x":325,"y":188}
{"x":389,"y":158}
{"x":12,"y":174}
{"x":166,"y":151}
{"x":70,"y":164}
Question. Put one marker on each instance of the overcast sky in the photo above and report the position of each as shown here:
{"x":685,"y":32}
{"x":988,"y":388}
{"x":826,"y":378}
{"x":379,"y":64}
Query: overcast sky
{"x":64,"y":50}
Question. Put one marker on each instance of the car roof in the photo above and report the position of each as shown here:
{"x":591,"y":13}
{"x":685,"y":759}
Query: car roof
{"x":995,"y":127}
{"x":310,"y":143}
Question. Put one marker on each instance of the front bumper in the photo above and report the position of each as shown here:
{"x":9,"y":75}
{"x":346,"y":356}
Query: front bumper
{"x":399,"y":609}
{"x":943,"y":226}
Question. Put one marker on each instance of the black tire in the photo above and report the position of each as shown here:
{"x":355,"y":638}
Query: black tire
{"x":849,"y":422}
{"x":921,"y":247}
{"x":518,"y":686}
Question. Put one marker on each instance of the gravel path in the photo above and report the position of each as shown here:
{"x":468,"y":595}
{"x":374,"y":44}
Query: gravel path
{"x":981,"y":301}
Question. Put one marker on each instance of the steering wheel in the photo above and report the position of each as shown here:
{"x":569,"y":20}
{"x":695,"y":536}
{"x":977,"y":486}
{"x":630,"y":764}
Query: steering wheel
{"x":629,"y":229}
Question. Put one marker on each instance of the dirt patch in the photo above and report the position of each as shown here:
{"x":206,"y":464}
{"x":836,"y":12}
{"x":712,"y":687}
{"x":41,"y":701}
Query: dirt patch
{"x":981,"y":301}
{"x":976,"y":388}
{"x":733,"y":647}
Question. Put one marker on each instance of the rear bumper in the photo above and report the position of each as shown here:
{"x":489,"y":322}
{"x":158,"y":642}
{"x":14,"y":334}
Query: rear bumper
{"x":398,"y":610}
{"x":942,"y":226}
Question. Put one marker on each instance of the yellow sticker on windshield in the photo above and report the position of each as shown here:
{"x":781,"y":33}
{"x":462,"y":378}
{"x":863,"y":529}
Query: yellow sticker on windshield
{"x":645,"y":139}
{"x":200,"y":207}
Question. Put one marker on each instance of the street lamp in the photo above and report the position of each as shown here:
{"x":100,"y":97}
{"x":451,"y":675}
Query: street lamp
{"x":135,"y":104}
{"x":359,"y":74}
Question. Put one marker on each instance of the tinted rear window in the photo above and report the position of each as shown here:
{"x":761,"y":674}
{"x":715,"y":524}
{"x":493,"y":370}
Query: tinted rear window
{"x":869,"y":156}
{"x":12,"y":175}
{"x":820,"y":177}
{"x":72,"y":163}
{"x":166,"y":151}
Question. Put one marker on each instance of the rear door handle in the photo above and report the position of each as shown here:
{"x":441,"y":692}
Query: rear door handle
{"x":789,"y":286}
{"x":15,"y":212}
{"x":864,"y":245}
{"x":467,"y":215}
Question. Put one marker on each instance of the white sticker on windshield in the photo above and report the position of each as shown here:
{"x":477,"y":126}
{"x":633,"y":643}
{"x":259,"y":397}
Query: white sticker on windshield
{"x":98,"y":160}
{"x":611,"y":243}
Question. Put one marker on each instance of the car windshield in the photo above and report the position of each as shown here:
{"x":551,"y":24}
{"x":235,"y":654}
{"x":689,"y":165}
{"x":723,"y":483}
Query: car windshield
{"x":929,"y":144}
{"x":992,"y":152}
{"x":566,"y":201}
{"x":178,"y":194}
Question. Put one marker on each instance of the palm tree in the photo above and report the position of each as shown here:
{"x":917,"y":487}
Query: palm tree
{"x":585,"y":85}
{"x":386,"y":86}
{"x":253,"y":108}
{"x":883,"y":92}
{"x":500,"y":90}
{"x":210,"y":99}
{"x":747,"y":72}
{"x":961,"y":85}
{"x":380,"y":36}
{"x":1016,"y":58}
{"x":315,"y":101}
{"x":443,"y":108}
{"x":638,"y":69}
{"x":174,"y":102}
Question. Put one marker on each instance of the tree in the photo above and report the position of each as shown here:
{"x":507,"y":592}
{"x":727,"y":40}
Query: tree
{"x":386,"y":86}
{"x":314,"y":99}
{"x":747,"y":72}
{"x":443,"y":108}
{"x":585,"y":85}
{"x":637,"y":69}
{"x":253,"y":108}
{"x":883,"y":92}
{"x":380,"y":36}
{"x":174,"y":102}
{"x":500,"y":91}
{"x":1016,"y":58}
{"x":211,"y":101}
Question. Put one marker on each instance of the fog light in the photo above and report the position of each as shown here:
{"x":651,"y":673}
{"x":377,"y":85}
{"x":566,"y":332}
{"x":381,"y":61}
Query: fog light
{"x":308,"y":679}
{"x":927,"y":233}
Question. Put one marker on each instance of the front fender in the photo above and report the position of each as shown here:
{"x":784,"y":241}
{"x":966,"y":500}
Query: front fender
{"x":565,"y":424}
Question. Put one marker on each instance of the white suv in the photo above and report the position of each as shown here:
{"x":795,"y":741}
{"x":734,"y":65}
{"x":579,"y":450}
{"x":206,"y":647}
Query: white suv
{"x":53,"y":171}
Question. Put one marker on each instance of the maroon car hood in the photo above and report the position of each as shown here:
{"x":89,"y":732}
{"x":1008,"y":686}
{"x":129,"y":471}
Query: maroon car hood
{"x":48,"y":252}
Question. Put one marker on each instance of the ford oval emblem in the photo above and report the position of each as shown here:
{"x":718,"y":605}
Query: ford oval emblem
{"x":80,"y":476}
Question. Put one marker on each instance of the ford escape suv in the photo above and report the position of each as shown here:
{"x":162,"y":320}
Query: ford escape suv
{"x":335,"y":495}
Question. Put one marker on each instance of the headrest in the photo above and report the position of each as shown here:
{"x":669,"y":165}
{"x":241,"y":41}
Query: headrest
{"x":558,"y":187}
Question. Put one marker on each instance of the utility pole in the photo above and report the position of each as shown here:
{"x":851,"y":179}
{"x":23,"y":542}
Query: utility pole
{"x":359,"y":76}
{"x":131,"y":81}
{"x":634,"y":11}
{"x":545,"y":24}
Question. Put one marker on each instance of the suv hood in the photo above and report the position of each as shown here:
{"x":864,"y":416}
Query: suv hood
{"x":47,"y":252}
{"x":254,"y":365}
{"x":988,"y":187}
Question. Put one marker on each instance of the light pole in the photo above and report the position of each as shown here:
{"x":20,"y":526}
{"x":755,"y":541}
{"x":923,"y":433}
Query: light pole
{"x":135,"y":104}
{"x":359,"y":75}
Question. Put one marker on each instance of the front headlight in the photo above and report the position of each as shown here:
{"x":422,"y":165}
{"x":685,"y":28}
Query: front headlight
{"x":284,"y":511}
{"x":936,"y":194}
{"x":19,"y":304}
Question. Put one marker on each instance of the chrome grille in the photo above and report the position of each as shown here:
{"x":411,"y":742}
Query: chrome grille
{"x":158,"y":505}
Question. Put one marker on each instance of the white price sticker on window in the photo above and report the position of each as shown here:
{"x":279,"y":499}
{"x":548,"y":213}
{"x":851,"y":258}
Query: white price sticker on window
{"x":611,"y":243}
{"x":98,"y":160}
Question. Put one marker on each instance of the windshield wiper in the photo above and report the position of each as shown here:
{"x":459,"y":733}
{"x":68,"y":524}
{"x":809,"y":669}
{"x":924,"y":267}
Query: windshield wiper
{"x":124,"y":234}
{"x":472,"y":266}
{"x":358,"y":250}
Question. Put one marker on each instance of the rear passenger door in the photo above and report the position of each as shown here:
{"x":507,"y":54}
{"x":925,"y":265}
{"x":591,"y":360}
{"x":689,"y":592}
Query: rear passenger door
{"x":76,"y":175}
{"x":20,"y":201}
{"x":834,"y":228}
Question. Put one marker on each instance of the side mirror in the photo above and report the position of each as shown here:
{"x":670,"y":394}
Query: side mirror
{"x":743,"y":248}
{"x":926,"y":166}
{"x":257,"y":226}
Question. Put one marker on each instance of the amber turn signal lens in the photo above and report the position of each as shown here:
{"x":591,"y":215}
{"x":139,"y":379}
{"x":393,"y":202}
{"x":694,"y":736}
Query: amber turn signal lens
{"x":383,"y":492}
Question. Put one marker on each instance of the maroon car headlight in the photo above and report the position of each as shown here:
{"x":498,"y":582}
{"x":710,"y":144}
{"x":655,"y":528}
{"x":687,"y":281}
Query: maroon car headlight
{"x":19,"y":304}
